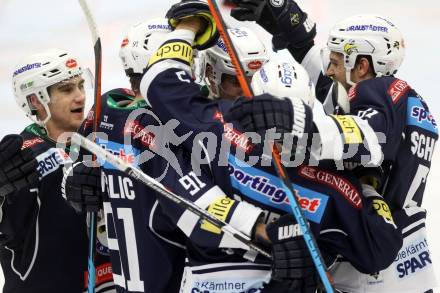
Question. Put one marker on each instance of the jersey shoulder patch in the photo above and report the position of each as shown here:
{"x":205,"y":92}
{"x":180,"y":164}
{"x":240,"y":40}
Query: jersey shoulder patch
{"x":397,"y":89}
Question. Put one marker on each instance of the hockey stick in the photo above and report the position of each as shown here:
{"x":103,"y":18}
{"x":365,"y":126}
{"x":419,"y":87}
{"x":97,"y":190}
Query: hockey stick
{"x":280,"y":169}
{"x":137,"y":174}
{"x":97,"y":101}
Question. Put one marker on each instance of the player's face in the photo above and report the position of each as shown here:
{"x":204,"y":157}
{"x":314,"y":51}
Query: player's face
{"x":230,"y":87}
{"x":67,"y":101}
{"x":336,"y":69}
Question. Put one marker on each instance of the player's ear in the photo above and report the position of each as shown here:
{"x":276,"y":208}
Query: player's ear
{"x":363,"y":68}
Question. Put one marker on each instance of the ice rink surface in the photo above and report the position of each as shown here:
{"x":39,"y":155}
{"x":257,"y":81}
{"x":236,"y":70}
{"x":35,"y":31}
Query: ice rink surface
{"x":30,"y":26}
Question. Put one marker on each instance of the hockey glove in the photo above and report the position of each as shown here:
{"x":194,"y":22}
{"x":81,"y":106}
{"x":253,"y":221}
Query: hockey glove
{"x":18,"y":168}
{"x":291,"y":259}
{"x":81,"y":186}
{"x":265,"y":112}
{"x":194,"y":8}
{"x":287,"y":23}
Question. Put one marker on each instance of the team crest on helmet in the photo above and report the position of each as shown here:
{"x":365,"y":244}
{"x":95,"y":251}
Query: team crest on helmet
{"x":349,"y":48}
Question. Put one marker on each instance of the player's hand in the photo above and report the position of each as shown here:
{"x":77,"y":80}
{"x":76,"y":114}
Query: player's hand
{"x":18,"y":168}
{"x":81,"y":186}
{"x":292,"y":262}
{"x":265,"y":112}
{"x":208,"y":34}
{"x":287,"y":23}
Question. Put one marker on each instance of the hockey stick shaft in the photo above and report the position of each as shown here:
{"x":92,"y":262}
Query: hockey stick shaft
{"x":97,"y":102}
{"x":279,"y":167}
{"x":137,"y":174}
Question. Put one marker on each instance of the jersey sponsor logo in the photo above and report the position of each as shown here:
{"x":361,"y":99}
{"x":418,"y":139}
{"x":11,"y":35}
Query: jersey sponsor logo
{"x":220,"y":209}
{"x":137,"y":131}
{"x":340,"y":184}
{"x":383,"y":210}
{"x":103,"y":274}
{"x":350,"y":129}
{"x":418,"y":116}
{"x":268,"y":189}
{"x":236,"y":138}
{"x":422,"y":145}
{"x":51,"y":160}
{"x":181,"y":51}
{"x":27,"y":67}
{"x":226,"y":286}
{"x":125,"y":152}
{"x":31,"y":142}
{"x":397,"y":89}
{"x":71,"y":63}
{"x":367,"y":27}
{"x":412,"y":258}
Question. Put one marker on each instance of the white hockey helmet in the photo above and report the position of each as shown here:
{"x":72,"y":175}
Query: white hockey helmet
{"x":284,"y":79}
{"x":140,"y":42}
{"x":251,"y":53}
{"x":368,"y":35}
{"x":34,"y":74}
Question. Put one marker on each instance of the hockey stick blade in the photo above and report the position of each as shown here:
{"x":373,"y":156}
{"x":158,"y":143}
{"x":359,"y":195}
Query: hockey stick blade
{"x":137,"y":174}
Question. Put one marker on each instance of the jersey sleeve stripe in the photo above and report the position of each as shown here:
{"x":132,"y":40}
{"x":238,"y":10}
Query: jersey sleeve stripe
{"x":188,"y":220}
{"x":331,"y":140}
{"x":372,"y":141}
{"x":243,"y":219}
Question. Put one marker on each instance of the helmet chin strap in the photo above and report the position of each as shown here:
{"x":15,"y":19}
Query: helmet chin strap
{"x":348,"y":77}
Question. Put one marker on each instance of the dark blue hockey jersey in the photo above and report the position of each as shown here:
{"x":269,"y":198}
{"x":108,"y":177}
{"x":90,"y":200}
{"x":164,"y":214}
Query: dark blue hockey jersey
{"x":44,"y":243}
{"x":343,"y":220}
{"x":391,"y":113}
{"x":146,"y":248}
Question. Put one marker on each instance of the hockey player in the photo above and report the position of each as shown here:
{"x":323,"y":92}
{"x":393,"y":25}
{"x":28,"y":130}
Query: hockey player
{"x":166,"y":84}
{"x":218,"y":73}
{"x":147,"y":250}
{"x":365,"y":53}
{"x":43,"y":241}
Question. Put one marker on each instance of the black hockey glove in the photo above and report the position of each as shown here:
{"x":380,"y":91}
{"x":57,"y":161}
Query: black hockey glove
{"x":81,"y":186}
{"x":292,"y":262}
{"x":265,"y":112}
{"x":18,"y":168}
{"x":287,"y":23}
{"x":195,"y":8}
